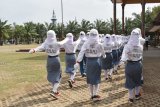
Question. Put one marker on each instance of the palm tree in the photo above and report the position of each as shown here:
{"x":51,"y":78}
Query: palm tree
{"x":59,"y":31}
{"x":41,"y":32}
{"x":72,"y":27}
{"x":18,"y":33}
{"x":101,"y":26}
{"x":111,"y":25}
{"x":119,"y":26}
{"x":50,"y":26}
{"x":155,"y":11}
{"x":129,"y":24}
{"x":85,"y":25}
{"x":4,"y":28}
{"x":30,"y":31}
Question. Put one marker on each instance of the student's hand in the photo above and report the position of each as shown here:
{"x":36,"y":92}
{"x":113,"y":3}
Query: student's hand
{"x":122,"y":62}
{"x":76,"y":66}
{"x":104,"y":56}
{"x":31,"y":51}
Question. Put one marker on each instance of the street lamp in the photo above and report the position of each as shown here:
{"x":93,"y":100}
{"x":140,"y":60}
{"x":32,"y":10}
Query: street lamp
{"x":62,"y":17}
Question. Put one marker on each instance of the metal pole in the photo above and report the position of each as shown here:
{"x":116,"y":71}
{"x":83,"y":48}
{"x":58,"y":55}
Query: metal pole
{"x":143,"y":18}
{"x":62,"y":18}
{"x":114,"y":15}
{"x":123,"y":5}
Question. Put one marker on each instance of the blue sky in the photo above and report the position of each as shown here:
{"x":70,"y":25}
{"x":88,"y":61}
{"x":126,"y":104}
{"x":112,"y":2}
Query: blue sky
{"x":21,"y":11}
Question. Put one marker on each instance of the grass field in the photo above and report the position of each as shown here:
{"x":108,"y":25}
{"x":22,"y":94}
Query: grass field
{"x":20,"y":69}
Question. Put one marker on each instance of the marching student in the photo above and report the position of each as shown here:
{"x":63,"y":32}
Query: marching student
{"x":120,"y":48}
{"x":70,"y":57}
{"x":115,"y":53}
{"x":93,"y":50}
{"x":52,"y":48}
{"x":132,"y":55}
{"x":107,"y":63}
{"x":82,"y":37}
{"x":142,"y":41}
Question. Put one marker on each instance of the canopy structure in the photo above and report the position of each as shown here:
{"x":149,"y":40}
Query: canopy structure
{"x":156,"y":29}
{"x":136,"y":1}
{"x":156,"y":24}
{"x":123,"y":3}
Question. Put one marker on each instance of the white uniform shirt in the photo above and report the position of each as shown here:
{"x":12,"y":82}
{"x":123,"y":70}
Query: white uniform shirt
{"x":51,"y":49}
{"x":107,"y":47}
{"x":71,"y":48}
{"x":93,"y":50}
{"x":132,"y":53}
{"x":80,"y":45}
{"x":115,"y":46}
{"x":142,"y":41}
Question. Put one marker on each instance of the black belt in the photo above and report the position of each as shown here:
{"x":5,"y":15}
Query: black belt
{"x":70,"y":53}
{"x":133,"y":61}
{"x":108,"y":52}
{"x":52,"y":56}
{"x":92,"y":57}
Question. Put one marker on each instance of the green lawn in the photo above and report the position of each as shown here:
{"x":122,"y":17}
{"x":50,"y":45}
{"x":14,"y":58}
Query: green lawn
{"x":19,"y":69}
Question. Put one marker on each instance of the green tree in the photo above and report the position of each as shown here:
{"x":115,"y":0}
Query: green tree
{"x":101,"y":26}
{"x":18,"y":33}
{"x":72,"y":27}
{"x":41,"y":32}
{"x":29,"y":32}
{"x":4,"y":31}
{"x":155,"y":11}
{"x":129,"y":23}
{"x":85,"y":25}
{"x":59,"y":31}
{"x":118,"y":26}
{"x":50,"y":26}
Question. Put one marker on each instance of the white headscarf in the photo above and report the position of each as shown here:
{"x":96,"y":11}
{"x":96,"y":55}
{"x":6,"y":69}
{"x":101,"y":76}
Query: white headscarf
{"x":119,"y":39}
{"x":93,"y":36}
{"x":51,"y":37}
{"x":87,"y":35}
{"x":107,"y":39}
{"x":114,"y":38}
{"x":82,"y":36}
{"x":134,"y":39}
{"x":69,"y":38}
{"x":142,"y":40}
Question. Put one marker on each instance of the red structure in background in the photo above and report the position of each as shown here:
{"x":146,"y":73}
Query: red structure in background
{"x":123,"y":3}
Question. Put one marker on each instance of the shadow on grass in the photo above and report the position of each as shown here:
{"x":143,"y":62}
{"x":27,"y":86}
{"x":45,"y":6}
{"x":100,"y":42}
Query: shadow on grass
{"x":42,"y":57}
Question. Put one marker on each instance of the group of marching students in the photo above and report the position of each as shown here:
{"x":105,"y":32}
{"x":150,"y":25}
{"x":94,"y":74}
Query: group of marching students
{"x":96,"y":53}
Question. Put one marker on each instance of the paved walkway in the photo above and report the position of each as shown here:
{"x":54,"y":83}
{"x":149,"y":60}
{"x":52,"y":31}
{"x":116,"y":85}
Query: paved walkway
{"x":113,"y":93}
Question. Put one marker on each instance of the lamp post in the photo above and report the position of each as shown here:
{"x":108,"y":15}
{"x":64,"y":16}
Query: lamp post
{"x":62,"y":18}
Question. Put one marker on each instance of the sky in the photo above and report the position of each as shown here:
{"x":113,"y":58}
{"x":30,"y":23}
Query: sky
{"x":21,"y":11}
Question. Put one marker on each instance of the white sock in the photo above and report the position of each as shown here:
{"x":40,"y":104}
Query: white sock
{"x":110,"y":72}
{"x":115,"y":67}
{"x":55,"y":87}
{"x":96,"y":89}
{"x":106,"y":73}
{"x":137,"y":90}
{"x":141,"y":77}
{"x":131,"y":93}
{"x":72,"y":76}
{"x":91,"y":89}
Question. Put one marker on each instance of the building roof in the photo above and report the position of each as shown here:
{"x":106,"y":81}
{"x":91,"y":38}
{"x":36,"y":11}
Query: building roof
{"x":154,"y":28}
{"x":135,"y":1}
{"x":157,"y":20}
{"x":156,"y":24}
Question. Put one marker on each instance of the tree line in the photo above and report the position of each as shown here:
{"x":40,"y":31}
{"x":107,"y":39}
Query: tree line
{"x":31,"y":32}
